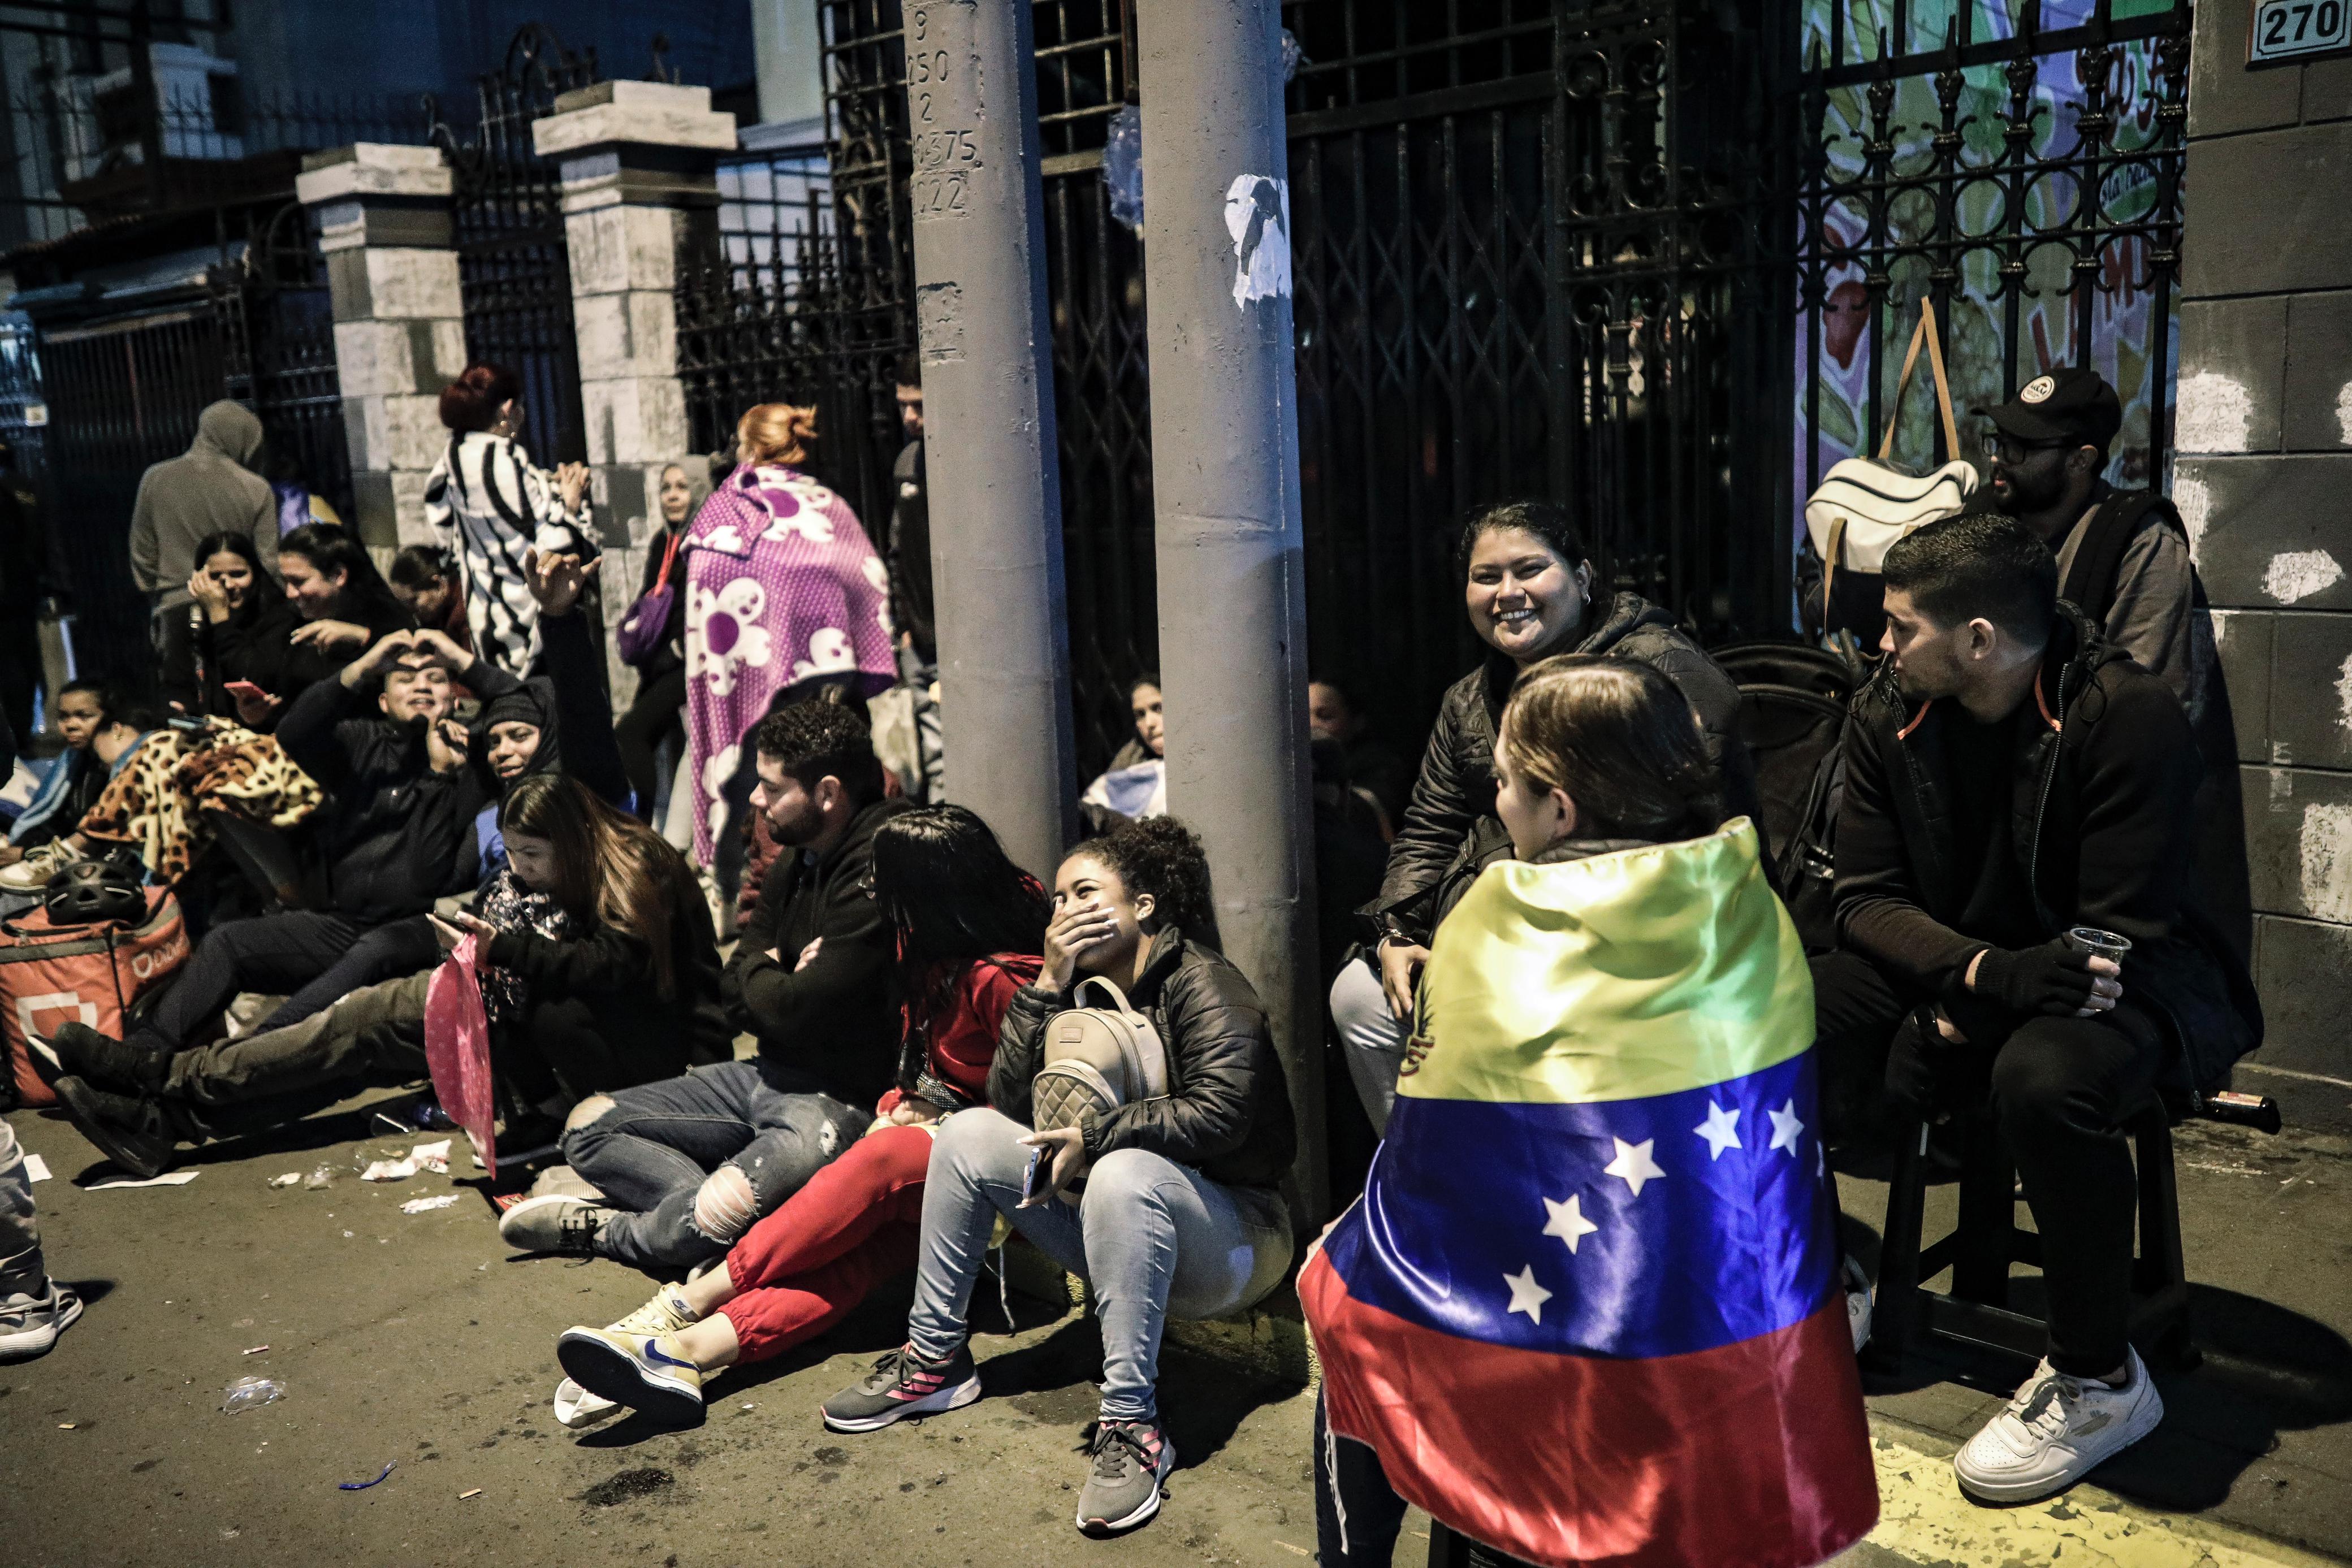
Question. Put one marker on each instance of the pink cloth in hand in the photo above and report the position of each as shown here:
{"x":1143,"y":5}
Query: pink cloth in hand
{"x":457,"y":1049}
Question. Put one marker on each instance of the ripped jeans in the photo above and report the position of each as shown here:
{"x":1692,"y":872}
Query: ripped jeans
{"x":654,"y":1150}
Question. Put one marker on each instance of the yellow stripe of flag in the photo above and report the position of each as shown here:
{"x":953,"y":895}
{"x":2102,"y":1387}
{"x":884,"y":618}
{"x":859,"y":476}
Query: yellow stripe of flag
{"x":1619,"y":977}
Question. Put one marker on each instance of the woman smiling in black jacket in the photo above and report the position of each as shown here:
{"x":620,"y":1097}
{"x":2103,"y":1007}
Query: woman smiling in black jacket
{"x":1531,"y":590}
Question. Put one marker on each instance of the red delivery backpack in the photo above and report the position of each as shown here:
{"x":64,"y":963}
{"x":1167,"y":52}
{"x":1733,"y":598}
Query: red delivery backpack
{"x":52,"y":974}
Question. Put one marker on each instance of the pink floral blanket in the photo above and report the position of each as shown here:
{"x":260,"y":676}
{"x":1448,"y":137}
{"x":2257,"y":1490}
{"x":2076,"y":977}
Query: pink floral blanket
{"x":781,"y":586}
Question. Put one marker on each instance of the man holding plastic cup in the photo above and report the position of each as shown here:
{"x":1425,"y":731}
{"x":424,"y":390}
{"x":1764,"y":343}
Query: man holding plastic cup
{"x":2013,"y":854}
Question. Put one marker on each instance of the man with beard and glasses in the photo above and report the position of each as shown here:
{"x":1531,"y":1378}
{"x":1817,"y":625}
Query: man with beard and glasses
{"x":2011,"y":776}
{"x":399,"y":801}
{"x":2124,"y":560}
{"x":685,"y":1165}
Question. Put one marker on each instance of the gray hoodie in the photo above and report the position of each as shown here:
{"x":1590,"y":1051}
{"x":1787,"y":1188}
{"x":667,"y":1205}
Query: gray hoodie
{"x":210,"y":488}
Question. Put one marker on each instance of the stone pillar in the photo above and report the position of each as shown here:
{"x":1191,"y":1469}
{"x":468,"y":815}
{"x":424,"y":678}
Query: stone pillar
{"x":382,"y":212}
{"x":640,"y":163}
{"x":2265,"y":441}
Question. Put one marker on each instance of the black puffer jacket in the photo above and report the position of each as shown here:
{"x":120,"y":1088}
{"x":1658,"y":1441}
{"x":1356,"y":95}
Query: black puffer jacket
{"x":1450,"y":831}
{"x":1227,"y":1110}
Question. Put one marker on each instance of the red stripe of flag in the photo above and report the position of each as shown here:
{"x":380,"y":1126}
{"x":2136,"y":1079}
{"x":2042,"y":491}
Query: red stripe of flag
{"x":1751,"y":1455}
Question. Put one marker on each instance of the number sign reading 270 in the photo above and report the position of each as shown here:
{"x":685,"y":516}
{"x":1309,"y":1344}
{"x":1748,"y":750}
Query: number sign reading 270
{"x":943,"y":88}
{"x":2291,"y":30}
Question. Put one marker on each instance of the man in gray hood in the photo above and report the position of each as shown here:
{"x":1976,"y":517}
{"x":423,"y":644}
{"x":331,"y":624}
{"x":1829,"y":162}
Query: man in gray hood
{"x":209,"y":488}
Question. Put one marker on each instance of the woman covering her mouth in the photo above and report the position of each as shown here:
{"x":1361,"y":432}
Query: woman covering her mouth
{"x":1532,"y":591}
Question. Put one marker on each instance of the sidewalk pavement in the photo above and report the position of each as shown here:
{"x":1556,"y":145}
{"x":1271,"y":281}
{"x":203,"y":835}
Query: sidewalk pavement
{"x":417,"y":1340}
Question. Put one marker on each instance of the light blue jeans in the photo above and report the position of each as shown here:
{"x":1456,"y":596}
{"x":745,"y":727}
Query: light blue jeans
{"x":1154,"y":1238}
{"x":21,"y":1271}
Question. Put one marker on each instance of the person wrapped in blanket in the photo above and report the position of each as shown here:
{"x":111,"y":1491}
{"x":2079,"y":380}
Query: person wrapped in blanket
{"x":968,"y":925}
{"x":602,"y":969}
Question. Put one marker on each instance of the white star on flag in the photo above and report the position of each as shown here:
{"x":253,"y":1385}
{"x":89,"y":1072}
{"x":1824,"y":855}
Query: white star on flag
{"x":1721,"y":1130}
{"x":1527,"y":1296}
{"x":1568,"y":1221}
{"x":1785,"y":1128}
{"x":1633,"y":1163}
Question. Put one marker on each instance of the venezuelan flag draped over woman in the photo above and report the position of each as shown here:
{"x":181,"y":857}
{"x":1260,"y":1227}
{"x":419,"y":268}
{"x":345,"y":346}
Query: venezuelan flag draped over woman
{"x":1588,"y":1310}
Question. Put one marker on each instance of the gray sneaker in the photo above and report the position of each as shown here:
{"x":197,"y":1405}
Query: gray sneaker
{"x":1122,"y":1490}
{"x":554,"y":1223}
{"x":29,"y":1325}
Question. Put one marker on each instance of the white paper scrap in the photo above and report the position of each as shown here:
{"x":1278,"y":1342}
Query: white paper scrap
{"x":432,"y":1157}
{"x":36,"y":1168}
{"x":422,"y":1205}
{"x":389,"y":1170}
{"x":169,"y":1178}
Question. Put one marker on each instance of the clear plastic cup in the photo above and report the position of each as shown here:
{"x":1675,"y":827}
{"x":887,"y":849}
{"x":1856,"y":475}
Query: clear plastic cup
{"x":2098,"y":944}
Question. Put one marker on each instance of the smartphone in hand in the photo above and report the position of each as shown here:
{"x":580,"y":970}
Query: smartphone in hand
{"x":244,"y":689}
{"x":1039,"y":1173}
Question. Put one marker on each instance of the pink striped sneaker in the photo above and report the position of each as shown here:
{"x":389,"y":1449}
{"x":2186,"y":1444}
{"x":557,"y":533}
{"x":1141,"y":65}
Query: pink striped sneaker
{"x":903,"y":1383}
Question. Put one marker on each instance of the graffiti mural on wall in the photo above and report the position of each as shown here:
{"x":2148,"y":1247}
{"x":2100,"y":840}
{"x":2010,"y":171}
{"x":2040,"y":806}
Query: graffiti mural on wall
{"x":2020,"y":165}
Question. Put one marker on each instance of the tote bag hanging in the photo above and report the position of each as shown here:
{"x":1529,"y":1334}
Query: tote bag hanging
{"x":1866,"y":504}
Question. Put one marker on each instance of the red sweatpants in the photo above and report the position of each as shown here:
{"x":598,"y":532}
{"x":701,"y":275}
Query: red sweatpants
{"x":857,"y":1222}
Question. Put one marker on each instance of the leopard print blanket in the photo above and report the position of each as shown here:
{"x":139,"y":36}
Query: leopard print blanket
{"x":156,"y":806}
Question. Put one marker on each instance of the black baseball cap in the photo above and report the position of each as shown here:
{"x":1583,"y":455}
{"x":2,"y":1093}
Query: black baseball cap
{"x":2075,"y":406}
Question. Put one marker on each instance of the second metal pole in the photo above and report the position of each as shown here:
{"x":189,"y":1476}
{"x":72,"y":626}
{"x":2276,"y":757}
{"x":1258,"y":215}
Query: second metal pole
{"x":1225,"y":469}
{"x":988,"y":423}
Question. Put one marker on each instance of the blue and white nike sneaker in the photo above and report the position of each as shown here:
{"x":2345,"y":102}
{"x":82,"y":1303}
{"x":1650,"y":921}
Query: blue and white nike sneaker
{"x":650,"y":1373}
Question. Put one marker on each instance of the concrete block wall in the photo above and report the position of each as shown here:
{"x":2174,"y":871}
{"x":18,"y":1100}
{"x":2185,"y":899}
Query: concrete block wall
{"x":383,"y":214}
{"x":640,"y":183}
{"x":2263,"y":479}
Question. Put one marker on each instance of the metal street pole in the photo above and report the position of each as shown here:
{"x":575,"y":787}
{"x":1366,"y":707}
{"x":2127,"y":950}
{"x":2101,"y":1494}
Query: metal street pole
{"x":1224,"y":471}
{"x":988,"y":421}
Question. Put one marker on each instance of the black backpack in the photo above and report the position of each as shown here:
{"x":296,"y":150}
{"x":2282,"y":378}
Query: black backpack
{"x":1792,"y":703}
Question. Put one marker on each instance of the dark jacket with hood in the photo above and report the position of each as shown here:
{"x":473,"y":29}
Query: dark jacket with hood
{"x":830,"y":1026}
{"x":209,"y":488}
{"x":614,"y":970}
{"x":2104,"y":777}
{"x":391,"y":829}
{"x":252,"y":644}
{"x":575,"y":736}
{"x":1450,"y":833}
{"x":1227,"y":1110}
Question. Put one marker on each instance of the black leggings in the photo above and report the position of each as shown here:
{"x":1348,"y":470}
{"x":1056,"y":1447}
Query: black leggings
{"x":2057,"y":1086}
{"x":1358,"y":1514}
{"x":652,"y":719}
{"x":561,"y":1051}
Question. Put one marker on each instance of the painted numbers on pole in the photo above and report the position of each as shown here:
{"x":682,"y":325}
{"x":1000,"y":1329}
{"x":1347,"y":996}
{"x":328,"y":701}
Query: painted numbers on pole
{"x":2287,"y":30}
{"x":945,"y":96}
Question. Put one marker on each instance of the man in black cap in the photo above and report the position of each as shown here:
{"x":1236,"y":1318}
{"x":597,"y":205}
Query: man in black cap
{"x":2124,"y":560}
{"x":2048,"y":450}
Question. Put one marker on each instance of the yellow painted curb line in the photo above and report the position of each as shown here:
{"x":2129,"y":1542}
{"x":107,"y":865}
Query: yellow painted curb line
{"x":1923,"y":1517}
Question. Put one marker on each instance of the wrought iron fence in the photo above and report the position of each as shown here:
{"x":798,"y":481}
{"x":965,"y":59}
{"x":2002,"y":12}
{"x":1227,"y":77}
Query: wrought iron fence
{"x":279,"y":356}
{"x":514,"y":269}
{"x":2020,"y":165}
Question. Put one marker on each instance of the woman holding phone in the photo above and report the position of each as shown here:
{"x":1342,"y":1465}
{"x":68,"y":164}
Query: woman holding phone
{"x":239,"y":622}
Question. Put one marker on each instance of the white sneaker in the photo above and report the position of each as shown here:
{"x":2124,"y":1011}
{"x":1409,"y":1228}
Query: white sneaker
{"x":2056,"y":1431}
{"x":29,"y":1325}
{"x":1859,"y":1299}
{"x":32,"y":872}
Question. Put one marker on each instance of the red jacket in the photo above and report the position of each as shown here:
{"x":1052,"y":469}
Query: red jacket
{"x":953,"y":1041}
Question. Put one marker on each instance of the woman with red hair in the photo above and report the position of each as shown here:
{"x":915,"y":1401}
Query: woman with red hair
{"x":490,"y":507}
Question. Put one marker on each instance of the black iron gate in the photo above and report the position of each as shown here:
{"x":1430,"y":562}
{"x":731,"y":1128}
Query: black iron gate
{"x":1628,"y":254}
{"x":125,"y":393}
{"x":514,"y":268}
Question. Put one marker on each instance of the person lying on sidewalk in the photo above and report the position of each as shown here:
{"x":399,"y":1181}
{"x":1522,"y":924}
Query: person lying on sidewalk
{"x":968,"y":923}
{"x":686,"y":1165}
{"x":598,"y":970}
{"x":1178,"y":1212}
